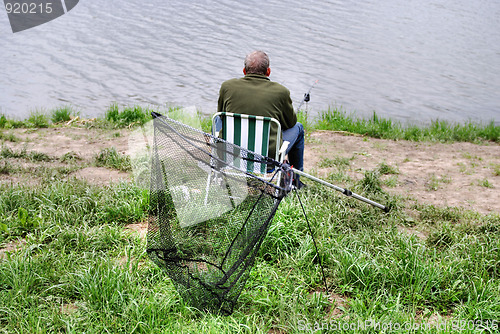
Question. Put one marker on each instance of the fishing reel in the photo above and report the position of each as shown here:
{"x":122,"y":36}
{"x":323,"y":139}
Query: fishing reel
{"x":286,"y":176}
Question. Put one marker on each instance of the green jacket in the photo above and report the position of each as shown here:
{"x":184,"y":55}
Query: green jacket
{"x":255,"y":94}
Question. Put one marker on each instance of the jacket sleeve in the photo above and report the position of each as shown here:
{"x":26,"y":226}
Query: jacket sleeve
{"x":220,"y":103}
{"x":289,"y":117}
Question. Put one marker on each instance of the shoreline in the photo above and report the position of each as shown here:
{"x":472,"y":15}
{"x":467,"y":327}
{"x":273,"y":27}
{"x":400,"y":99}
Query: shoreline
{"x":458,"y":174}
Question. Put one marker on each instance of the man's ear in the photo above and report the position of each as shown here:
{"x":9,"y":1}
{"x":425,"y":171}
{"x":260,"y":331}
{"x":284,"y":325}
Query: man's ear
{"x":268,"y":72}
{"x":244,"y":71}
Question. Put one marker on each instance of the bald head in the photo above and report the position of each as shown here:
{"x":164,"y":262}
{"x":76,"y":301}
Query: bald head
{"x":257,"y":62}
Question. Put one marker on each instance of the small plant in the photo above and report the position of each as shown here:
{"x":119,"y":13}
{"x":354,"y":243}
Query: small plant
{"x":39,"y":156}
{"x":496,"y":169}
{"x":440,"y":239}
{"x":62,"y":114}
{"x":434,"y":181}
{"x":385,"y":169}
{"x":340,"y":162}
{"x":3,"y":121}
{"x":38,"y":120}
{"x":485,"y":183}
{"x":108,"y":157}
{"x":371,"y":182}
{"x":70,"y":157}
{"x":469,"y":156}
{"x":26,"y":223}
{"x":7,"y":152}
{"x":5,"y":168}
{"x":9,"y":137}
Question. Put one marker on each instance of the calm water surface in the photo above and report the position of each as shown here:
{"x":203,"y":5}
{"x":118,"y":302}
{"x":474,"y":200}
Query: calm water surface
{"x":409,"y":60}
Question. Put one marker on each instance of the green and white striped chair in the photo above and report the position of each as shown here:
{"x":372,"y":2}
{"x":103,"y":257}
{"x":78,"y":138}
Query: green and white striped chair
{"x":252,"y":133}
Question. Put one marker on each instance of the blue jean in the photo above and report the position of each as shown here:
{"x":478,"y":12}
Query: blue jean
{"x":295,"y":151}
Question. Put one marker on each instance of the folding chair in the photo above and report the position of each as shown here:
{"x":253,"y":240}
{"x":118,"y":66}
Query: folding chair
{"x":250,"y":132}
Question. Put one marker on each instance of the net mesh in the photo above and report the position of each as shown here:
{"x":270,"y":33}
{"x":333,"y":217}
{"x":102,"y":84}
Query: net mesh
{"x":209,"y":212}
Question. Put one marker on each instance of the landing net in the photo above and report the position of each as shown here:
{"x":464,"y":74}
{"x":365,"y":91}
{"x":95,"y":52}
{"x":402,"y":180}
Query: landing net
{"x":210,"y":209}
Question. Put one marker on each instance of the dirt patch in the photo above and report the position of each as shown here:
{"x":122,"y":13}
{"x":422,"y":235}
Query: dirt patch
{"x":339,"y":306}
{"x":101,"y":175}
{"x":458,"y":174}
{"x":56,"y":142}
{"x":69,"y":152}
{"x":68,"y":309}
{"x":11,"y":247}
{"x":139,"y":228}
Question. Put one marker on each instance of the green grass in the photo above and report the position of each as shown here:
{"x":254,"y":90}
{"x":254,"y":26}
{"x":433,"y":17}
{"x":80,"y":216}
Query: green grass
{"x":377,"y":127}
{"x":38,"y":119}
{"x":340,"y":162}
{"x":108,"y":157}
{"x":78,"y":270}
{"x":335,"y":119}
{"x":496,"y":169}
{"x":33,"y":156}
{"x":435,"y":182}
{"x":61,"y":114}
{"x":129,"y":116}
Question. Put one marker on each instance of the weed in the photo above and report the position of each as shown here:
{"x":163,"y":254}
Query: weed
{"x":3,"y":121}
{"x":34,"y":156}
{"x":129,"y":116}
{"x":39,"y":156}
{"x":8,"y":152}
{"x":371,"y":182}
{"x":440,"y":239}
{"x":385,"y":169}
{"x":339,"y":176}
{"x":108,"y":157}
{"x":8,"y":137}
{"x":340,"y":162}
{"x":5,"y":168}
{"x":496,"y":169}
{"x":391,"y":181}
{"x":62,"y":114}
{"x":70,"y":157}
{"x":38,"y":120}
{"x":485,"y":183}
{"x":433,"y":183}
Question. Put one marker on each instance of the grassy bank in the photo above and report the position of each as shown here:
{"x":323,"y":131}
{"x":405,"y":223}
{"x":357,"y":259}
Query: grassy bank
{"x":334,"y":119}
{"x":377,"y":127}
{"x":70,"y":261}
{"x":78,"y":270}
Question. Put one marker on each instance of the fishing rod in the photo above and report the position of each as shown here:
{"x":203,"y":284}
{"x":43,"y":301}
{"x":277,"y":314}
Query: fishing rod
{"x":346,"y":192}
{"x":307,"y":96}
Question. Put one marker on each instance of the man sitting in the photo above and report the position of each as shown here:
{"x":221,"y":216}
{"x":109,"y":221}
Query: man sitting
{"x":255,"y":94}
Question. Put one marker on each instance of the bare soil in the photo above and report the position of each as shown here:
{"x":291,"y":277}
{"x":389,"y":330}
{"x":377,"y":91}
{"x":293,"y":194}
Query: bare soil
{"x":81,"y":143}
{"x":457,"y":174}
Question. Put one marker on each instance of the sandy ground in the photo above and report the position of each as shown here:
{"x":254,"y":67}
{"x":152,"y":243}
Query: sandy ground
{"x":458,"y":174}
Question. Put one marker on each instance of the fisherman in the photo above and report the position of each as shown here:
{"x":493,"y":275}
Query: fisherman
{"x":255,"y":94}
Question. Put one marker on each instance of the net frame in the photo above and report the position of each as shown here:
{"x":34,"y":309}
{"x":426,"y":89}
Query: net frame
{"x":209,"y":261}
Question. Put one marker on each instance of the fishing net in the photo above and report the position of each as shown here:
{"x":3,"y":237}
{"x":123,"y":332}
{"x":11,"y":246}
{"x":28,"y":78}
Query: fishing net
{"x":210,"y":209}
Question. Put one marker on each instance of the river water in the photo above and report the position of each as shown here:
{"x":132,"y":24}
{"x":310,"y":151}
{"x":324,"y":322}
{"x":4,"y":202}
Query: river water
{"x":414,"y":60}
